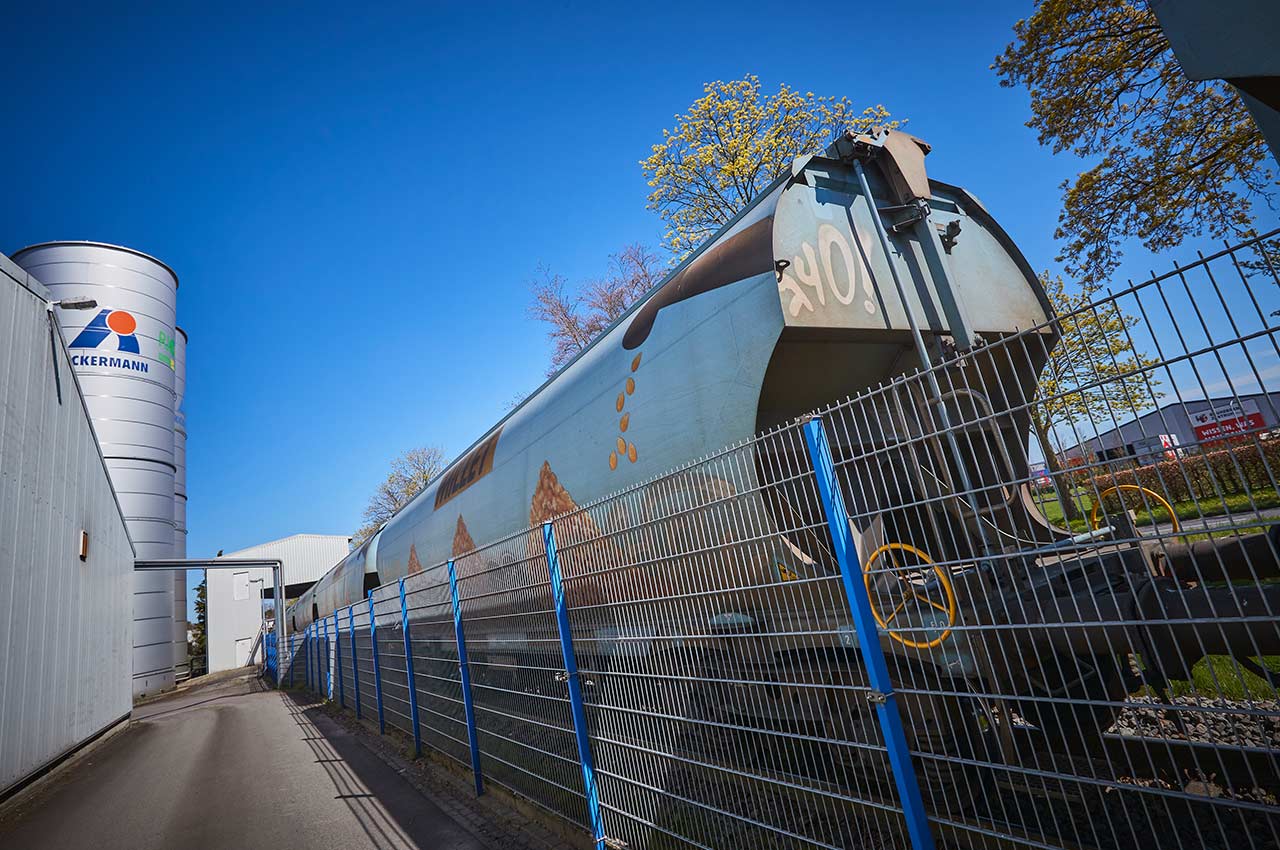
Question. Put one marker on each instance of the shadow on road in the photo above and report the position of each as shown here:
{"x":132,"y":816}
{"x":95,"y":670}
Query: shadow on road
{"x":391,"y":812}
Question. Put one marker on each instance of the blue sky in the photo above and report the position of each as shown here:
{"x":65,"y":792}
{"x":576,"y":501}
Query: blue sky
{"x":355,"y":197}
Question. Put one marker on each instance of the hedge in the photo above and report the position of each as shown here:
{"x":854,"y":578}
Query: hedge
{"x":1244,"y":467}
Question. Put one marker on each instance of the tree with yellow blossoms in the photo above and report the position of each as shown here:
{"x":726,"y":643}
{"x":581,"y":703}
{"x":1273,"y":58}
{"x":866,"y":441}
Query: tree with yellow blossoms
{"x":731,"y":144}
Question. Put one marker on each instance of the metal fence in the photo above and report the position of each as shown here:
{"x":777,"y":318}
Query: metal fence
{"x":987,"y":604}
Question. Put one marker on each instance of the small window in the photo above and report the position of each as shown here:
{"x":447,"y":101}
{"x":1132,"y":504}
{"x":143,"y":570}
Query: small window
{"x":240,"y":583}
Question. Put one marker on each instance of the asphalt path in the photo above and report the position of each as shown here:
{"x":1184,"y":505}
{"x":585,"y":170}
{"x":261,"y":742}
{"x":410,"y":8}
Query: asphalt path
{"x":230,"y":765}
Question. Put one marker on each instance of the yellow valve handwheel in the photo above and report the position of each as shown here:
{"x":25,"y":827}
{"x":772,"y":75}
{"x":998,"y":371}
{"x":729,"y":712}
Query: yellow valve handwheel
{"x":1093,"y":516}
{"x":943,"y":579}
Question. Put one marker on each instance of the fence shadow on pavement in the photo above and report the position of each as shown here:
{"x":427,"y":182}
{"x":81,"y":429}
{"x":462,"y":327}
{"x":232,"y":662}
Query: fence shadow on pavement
{"x":393,"y":814}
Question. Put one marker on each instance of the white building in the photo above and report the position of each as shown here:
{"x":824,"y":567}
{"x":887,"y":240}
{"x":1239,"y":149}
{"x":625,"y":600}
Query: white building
{"x":235,"y":597}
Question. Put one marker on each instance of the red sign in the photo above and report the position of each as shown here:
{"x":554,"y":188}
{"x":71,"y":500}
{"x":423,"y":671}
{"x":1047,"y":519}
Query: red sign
{"x":1226,"y":420}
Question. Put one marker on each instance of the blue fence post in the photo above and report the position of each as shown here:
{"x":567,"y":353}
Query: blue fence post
{"x":408,"y":671}
{"x":575,"y":687}
{"x":855,"y":589}
{"x":313,"y":656}
{"x":328,"y":662}
{"x":377,"y":667}
{"x":464,"y":671}
{"x":355,"y":658}
{"x":337,"y":657}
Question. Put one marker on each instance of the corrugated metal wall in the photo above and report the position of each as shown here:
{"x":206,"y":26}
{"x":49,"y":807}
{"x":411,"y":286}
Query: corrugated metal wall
{"x":65,"y":624}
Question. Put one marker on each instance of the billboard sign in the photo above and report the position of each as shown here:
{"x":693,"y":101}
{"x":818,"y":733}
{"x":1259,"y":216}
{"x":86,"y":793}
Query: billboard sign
{"x":1226,"y":419}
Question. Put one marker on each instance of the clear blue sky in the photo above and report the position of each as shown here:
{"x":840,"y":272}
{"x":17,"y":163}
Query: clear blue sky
{"x":354,"y":197}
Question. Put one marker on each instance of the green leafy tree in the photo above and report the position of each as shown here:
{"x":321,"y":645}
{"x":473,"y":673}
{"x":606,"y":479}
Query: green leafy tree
{"x":732,"y":142}
{"x":1172,"y":158}
{"x":1093,"y":377}
{"x":199,"y":644}
{"x":410,"y":473}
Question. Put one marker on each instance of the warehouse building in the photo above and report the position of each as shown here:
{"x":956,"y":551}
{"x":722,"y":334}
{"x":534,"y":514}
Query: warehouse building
{"x":236,"y":599}
{"x":1184,"y":425}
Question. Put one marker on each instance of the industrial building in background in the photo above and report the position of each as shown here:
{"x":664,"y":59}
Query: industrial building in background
{"x":235,"y":599}
{"x":124,"y":355}
{"x":1200,"y":424}
{"x":65,"y":559}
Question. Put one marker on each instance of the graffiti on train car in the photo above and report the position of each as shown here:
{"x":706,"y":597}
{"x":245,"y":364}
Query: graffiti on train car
{"x":832,"y":266}
{"x":476,"y":465}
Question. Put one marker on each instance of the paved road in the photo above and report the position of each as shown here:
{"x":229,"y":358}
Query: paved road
{"x":231,"y":766}
{"x":1241,"y":519}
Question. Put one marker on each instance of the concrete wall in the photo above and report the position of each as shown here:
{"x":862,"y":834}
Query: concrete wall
{"x":232,"y":623}
{"x":65,"y":624}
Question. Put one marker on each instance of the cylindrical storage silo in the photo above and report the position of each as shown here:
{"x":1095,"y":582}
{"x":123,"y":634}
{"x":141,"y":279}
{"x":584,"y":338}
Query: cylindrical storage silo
{"x":123,"y":355}
{"x":181,"y":664}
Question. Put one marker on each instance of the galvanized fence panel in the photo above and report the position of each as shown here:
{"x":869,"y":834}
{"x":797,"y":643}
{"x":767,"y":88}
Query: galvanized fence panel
{"x":720,"y":705}
{"x":391,"y":658}
{"x":1090,"y":650}
{"x":523,"y":719}
{"x":366,"y":697}
{"x":1076,"y":616}
{"x":435,"y":661}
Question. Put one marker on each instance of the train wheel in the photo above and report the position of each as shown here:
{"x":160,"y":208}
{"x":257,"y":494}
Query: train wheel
{"x":1073,"y":721}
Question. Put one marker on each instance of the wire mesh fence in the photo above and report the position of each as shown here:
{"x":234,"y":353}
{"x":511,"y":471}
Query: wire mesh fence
{"x":1063,"y":546}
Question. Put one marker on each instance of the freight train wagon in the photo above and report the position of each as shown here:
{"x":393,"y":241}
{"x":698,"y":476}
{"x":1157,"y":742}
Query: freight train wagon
{"x":786,"y":308}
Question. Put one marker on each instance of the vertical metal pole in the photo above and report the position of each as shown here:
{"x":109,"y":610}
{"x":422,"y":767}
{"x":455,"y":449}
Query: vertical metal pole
{"x":306,"y":649}
{"x":408,"y":671}
{"x":282,"y":624}
{"x":926,"y":365}
{"x":312,"y":670}
{"x":464,"y":671}
{"x":355,"y":658}
{"x":575,"y":687}
{"x":337,"y":658}
{"x":327,"y":679}
{"x":377,"y":667}
{"x":313,"y":656}
{"x":855,"y":589}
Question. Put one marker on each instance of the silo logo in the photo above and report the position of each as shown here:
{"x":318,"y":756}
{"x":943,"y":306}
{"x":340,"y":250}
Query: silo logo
{"x":119,"y":324}
{"x":105,"y":324}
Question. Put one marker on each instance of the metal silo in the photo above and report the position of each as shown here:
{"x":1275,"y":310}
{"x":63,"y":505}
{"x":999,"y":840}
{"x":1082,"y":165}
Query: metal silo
{"x":181,"y":665}
{"x":123,"y":354}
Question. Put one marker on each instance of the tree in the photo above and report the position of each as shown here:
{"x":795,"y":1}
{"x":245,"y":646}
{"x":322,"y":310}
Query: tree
{"x":1093,"y":375}
{"x":731,"y":144}
{"x":410,"y":473}
{"x":1175,"y":158}
{"x":200,"y":629}
{"x":578,"y":316}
